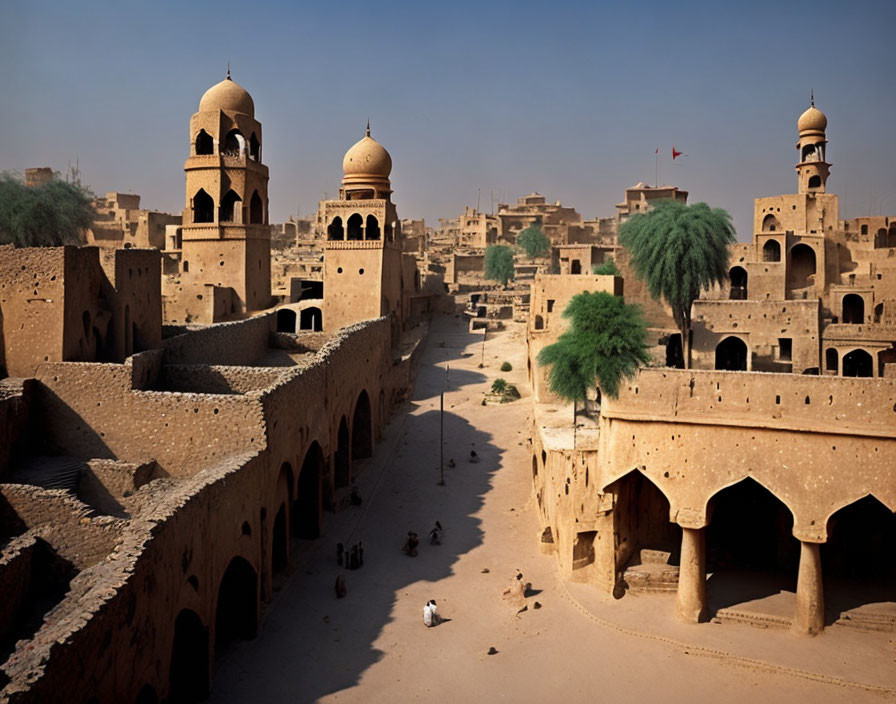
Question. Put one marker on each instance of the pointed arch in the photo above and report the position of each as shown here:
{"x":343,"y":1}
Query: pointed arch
{"x":254,"y":148}
{"x":858,"y":363}
{"x":203,"y":207}
{"x":355,"y":224}
{"x":335,"y":231}
{"x":236,"y":611}
{"x":188,"y":674}
{"x":204,"y":144}
{"x":230,"y":207}
{"x":372,"y":229}
{"x":306,"y":509}
{"x":234,"y":144}
{"x":362,"y":428}
{"x":256,"y":209}
{"x":342,"y":457}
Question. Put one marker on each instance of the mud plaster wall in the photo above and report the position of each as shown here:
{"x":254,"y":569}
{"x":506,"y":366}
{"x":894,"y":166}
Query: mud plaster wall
{"x":240,"y":342}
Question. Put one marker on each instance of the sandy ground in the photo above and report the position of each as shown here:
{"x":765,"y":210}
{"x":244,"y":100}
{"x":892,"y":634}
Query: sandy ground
{"x":580,"y":646}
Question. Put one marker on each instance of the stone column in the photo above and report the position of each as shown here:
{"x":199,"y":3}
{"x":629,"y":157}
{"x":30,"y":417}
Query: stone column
{"x":808,"y":619}
{"x":690,"y":603}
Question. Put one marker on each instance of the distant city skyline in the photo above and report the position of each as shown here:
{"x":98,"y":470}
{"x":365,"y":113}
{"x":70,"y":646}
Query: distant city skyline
{"x":567,"y":99}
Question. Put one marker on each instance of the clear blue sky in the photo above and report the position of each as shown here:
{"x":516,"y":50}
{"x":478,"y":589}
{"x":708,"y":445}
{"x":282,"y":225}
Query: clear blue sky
{"x":566,"y":98}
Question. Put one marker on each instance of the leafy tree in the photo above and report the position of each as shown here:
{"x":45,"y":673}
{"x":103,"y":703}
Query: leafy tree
{"x":533,"y":242}
{"x":607,"y":268}
{"x":605,"y":342}
{"x":506,"y":367}
{"x":499,"y":386}
{"x":53,"y":214}
{"x":499,"y":263}
{"x":678,"y":250}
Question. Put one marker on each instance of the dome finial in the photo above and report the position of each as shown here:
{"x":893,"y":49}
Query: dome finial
{"x":368,"y":127}
{"x":228,"y":71}
{"x":812,"y":97}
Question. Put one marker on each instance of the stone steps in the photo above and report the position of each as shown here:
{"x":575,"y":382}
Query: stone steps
{"x":650,"y":572}
{"x":879,"y":622}
{"x":750,"y":618}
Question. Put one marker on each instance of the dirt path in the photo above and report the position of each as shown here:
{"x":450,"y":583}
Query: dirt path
{"x":372,"y":645}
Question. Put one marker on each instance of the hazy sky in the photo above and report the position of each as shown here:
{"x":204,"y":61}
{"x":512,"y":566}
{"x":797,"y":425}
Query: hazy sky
{"x":566,"y":98}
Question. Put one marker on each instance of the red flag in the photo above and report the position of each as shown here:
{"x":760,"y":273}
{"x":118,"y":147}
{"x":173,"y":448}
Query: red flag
{"x":676,"y":154}
{"x":657,"y":150}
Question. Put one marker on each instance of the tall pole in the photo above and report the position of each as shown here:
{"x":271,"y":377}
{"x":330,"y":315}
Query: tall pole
{"x":484,"y":333}
{"x":442,"y":430}
{"x":656,"y":170}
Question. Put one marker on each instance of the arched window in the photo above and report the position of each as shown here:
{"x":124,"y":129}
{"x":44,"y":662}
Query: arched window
{"x":372,"y":231}
{"x":770,"y":223}
{"x":256,"y":209}
{"x":254,"y":148}
{"x":738,"y":276}
{"x":229,"y":206}
{"x":204,"y":143}
{"x":880,"y":239}
{"x":879,"y":312}
{"x":858,"y":363}
{"x":311,"y":319}
{"x":203,"y":207}
{"x":831,"y":360}
{"x":234,"y":144}
{"x":576,"y":267}
{"x":355,"y":225}
{"x":335,"y":230}
{"x":731,"y":355}
{"x":815,"y":181}
{"x":539,"y":322}
{"x":771,"y":251}
{"x":853,"y":309}
{"x":891,"y":235}
{"x":802,"y":266}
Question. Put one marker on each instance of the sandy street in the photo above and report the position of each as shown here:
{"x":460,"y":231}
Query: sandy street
{"x":373,"y":647}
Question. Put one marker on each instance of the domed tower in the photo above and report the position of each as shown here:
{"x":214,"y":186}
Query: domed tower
{"x":226,"y":257}
{"x":812,"y":169}
{"x":362,"y":260}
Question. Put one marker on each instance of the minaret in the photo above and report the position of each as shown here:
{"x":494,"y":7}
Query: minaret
{"x":226,"y":259}
{"x":812,"y":169}
{"x":362,"y":260}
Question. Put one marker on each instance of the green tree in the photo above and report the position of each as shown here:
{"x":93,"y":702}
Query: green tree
{"x":53,"y":214}
{"x":605,"y":342}
{"x":533,"y":242}
{"x":607,"y":268}
{"x":678,"y":250}
{"x":499,"y":263}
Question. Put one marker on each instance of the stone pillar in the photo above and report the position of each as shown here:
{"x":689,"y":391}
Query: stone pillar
{"x":808,"y":619}
{"x":690,"y":603}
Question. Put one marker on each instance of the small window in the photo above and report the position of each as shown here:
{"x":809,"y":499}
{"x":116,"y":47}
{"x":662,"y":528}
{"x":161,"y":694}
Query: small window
{"x":785,"y":349}
{"x":550,"y":305}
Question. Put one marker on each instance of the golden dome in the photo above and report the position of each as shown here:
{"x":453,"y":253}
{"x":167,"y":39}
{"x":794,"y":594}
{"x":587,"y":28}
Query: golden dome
{"x":229,"y":96}
{"x":367,"y":158}
{"x":813,"y":120}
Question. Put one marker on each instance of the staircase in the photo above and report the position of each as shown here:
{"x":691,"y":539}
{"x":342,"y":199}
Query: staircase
{"x":649,"y":572}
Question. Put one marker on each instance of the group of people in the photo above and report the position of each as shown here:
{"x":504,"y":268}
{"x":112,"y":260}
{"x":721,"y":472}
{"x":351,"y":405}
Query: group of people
{"x":413,"y":540}
{"x":353,"y":558}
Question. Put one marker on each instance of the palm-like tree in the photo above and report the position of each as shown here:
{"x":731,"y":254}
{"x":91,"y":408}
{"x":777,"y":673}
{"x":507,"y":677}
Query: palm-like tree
{"x":679,"y":250}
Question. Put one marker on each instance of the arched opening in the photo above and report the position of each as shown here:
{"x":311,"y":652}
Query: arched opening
{"x":815,"y":181}
{"x":879,"y":313}
{"x":256,"y":210}
{"x":203,"y":207}
{"x":858,"y":363}
{"x":229,"y":206}
{"x":306,"y":511}
{"x":750,"y":549}
{"x":280,"y":541}
{"x":831,"y":360}
{"x":147,"y":695}
{"x":771,"y":251}
{"x":809,"y":152}
{"x":311,"y":319}
{"x":204,"y":143}
{"x":674,"y":352}
{"x":341,"y":459}
{"x":362,"y":429}
{"x":802,"y":266}
{"x":234,"y":143}
{"x":188,"y":674}
{"x":286,"y":320}
{"x":891,"y":235}
{"x":575,"y":267}
{"x":731,"y":355}
{"x":236,"y":615}
{"x":372,"y":231}
{"x":335,"y":230}
{"x":770,"y":224}
{"x":648,"y":544}
{"x":539,"y":322}
{"x":355,"y":226}
{"x":880,"y":239}
{"x":859,"y":563}
{"x":853,"y":309}
{"x":738,"y":277}
{"x":254,"y":148}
